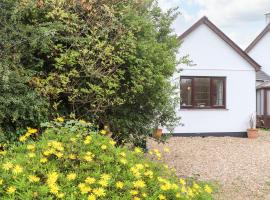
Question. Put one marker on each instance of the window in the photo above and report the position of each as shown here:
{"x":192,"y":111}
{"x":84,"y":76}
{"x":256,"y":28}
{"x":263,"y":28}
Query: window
{"x":260,"y":102}
{"x":202,"y":92}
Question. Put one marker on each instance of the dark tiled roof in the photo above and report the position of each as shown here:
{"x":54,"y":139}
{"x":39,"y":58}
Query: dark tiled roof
{"x":262,"y":76}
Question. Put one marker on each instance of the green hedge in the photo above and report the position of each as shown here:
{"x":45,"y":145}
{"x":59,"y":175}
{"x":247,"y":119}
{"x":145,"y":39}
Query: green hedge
{"x":72,"y":161}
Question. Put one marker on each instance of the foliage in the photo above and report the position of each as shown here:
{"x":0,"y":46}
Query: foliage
{"x":20,"y":105}
{"x":69,"y":161}
{"x":108,"y":59}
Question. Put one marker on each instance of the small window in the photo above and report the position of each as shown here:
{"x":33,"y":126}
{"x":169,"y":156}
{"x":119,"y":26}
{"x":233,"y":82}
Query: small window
{"x":260,"y":102}
{"x":202,"y":92}
{"x":186,"y":91}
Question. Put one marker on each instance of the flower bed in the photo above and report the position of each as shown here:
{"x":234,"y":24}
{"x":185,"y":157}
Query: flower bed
{"x":71,"y":161}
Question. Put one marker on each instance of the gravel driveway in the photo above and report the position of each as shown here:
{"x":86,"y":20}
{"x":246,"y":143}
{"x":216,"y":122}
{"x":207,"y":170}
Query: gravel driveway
{"x":239,"y":166}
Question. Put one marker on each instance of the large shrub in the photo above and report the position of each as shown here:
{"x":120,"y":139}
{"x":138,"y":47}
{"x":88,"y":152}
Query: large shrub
{"x":71,"y":161}
{"x":108,"y":59}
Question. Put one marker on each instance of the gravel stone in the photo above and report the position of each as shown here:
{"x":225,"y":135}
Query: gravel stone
{"x":239,"y":166}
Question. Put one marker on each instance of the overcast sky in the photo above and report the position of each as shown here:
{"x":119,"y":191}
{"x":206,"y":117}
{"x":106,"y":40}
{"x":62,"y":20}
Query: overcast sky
{"x":241,"y":20}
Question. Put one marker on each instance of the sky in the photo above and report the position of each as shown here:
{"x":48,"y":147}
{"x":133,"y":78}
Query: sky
{"x":241,"y":20}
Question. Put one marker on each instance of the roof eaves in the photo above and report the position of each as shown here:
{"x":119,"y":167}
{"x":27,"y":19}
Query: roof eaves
{"x":224,"y":37}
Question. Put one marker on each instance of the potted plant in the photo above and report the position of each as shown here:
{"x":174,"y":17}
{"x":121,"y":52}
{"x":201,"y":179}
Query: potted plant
{"x":252,"y":132}
{"x":157,"y":133}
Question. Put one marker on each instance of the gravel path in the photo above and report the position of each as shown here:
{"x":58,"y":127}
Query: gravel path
{"x":239,"y":166}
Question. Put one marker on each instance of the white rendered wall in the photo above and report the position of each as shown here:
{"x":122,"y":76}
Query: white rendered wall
{"x":261,"y":53}
{"x":214,"y":57}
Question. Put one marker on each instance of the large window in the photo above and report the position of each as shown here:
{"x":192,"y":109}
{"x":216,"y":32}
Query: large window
{"x":202,"y":92}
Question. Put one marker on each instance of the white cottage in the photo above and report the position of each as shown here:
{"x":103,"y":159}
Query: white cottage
{"x":259,"y":50}
{"x":218,"y":92}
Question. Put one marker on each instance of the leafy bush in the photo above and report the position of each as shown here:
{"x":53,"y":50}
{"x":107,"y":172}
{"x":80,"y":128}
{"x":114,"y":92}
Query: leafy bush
{"x":20,"y":106}
{"x":69,"y":161}
{"x":112,"y":59}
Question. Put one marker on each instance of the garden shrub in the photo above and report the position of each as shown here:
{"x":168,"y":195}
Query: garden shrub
{"x":110,"y":59}
{"x":72,"y":161}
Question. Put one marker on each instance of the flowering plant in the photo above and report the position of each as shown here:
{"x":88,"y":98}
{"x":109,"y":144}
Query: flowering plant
{"x":73,"y":163}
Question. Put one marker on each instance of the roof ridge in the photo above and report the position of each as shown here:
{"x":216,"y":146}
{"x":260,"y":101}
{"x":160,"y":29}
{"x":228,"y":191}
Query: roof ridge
{"x":258,"y":38}
{"x":224,"y":37}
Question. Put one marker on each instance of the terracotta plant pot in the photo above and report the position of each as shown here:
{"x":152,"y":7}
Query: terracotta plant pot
{"x":157,"y":133}
{"x":252,"y":133}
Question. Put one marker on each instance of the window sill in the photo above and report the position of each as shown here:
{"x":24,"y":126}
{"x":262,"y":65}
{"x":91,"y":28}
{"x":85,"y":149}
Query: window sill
{"x":204,"y":109}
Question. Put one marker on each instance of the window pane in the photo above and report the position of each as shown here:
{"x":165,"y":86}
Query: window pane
{"x":218,"y":91}
{"x":268,"y":102}
{"x":202,"y":92}
{"x":186,"y":92}
{"x":260,"y":102}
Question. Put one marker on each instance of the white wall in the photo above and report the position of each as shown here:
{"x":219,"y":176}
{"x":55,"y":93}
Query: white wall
{"x":261,"y":53}
{"x":214,"y":57}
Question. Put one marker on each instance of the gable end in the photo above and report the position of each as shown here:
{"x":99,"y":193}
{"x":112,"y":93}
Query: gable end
{"x":258,"y":38}
{"x":224,"y":37}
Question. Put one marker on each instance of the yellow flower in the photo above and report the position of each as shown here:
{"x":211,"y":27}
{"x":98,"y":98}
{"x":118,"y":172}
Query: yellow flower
{"x":22,"y":138}
{"x":33,"y":179}
{"x":139,"y":184}
{"x":134,"y":192}
{"x":103,"y":147}
{"x":3,"y":152}
{"x":183,"y":189}
{"x":92,"y":197}
{"x":149,"y":174}
{"x":90,"y":180}
{"x":59,"y":154}
{"x":190,"y":193}
{"x":138,"y":150}
{"x":71,"y":176}
{"x":88,"y":158}
{"x":182,"y":181}
{"x":119,"y":184}
{"x":103,"y":132}
{"x":31,"y":155}
{"x":103,"y":183}
{"x":60,"y":195}
{"x":161,"y":197}
{"x":72,"y":156}
{"x":88,"y":139}
{"x":112,"y":142}
{"x":84,"y":188}
{"x":123,"y":161}
{"x":106,"y":176}
{"x":7,"y":166}
{"x":52,"y":178}
{"x":54,"y":189}
{"x":100,"y":192}
{"x":31,"y":147}
{"x":136,"y":198}
{"x":1,"y":181}
{"x":196,"y":186}
{"x":17,"y":169}
{"x":144,"y":195}
{"x":60,"y":119}
{"x":208,"y":189}
{"x":11,"y":190}
{"x":43,"y":160}
{"x":32,"y":130}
